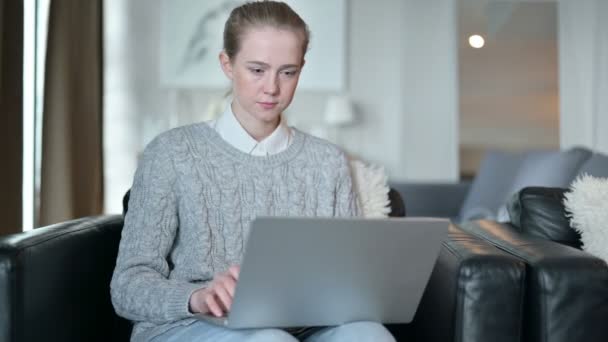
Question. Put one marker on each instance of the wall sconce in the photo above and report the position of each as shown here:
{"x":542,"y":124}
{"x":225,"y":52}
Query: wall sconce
{"x":215,"y":107}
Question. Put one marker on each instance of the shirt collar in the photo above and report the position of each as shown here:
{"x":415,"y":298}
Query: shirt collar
{"x":229,"y":128}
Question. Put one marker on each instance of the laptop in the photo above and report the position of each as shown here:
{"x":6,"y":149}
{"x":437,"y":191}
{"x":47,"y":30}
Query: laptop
{"x":300,"y":272}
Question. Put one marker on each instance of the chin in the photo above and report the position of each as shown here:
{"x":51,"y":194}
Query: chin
{"x":269,"y":119}
{"x":268,"y":116}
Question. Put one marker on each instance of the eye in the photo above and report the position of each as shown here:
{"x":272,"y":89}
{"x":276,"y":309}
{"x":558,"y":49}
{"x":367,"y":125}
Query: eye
{"x":256,"y":71}
{"x":290,"y":73}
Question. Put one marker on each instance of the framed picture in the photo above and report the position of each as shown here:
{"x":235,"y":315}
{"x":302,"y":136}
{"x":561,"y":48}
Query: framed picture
{"x":192,"y":34}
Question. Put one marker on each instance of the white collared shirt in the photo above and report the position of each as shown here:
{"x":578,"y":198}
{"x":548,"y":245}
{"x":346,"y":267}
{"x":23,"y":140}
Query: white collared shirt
{"x":229,"y":128}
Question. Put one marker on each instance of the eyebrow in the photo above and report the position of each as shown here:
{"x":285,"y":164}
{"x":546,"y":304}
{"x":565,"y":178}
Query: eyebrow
{"x":268,"y":65}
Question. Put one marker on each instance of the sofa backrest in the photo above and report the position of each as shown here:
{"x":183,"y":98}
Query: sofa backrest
{"x":501,"y":174}
{"x":491,"y":184}
{"x":540,"y":212}
{"x":396,"y":202}
{"x":596,"y":165}
{"x":545,"y":169}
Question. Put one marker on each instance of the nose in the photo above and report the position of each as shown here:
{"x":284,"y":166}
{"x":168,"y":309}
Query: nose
{"x":271,"y":85}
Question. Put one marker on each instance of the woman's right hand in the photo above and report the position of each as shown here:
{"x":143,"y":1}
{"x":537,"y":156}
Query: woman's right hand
{"x":216,"y":298}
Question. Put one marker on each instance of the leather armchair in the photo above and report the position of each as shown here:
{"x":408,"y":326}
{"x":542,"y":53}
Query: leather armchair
{"x":54,"y":284}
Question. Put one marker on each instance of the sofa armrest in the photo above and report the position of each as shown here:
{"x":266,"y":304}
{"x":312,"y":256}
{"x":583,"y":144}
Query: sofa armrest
{"x":432,"y":199}
{"x":54,"y":282}
{"x":475,"y":294}
{"x":566,"y":290}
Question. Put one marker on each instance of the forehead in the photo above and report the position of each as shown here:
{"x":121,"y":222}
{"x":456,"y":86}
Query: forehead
{"x":271,"y":45}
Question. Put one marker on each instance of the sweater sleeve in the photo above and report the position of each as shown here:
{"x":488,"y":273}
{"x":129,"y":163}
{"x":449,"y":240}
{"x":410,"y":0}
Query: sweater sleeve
{"x":140,"y":288}
{"x":347,"y":203}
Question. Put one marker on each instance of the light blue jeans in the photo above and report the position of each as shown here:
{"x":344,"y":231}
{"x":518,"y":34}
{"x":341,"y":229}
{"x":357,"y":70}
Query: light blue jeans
{"x":201,"y":331}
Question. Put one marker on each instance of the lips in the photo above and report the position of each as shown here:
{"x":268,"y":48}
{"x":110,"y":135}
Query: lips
{"x":268,"y":105}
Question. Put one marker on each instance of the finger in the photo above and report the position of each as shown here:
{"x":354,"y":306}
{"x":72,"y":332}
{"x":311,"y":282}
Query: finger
{"x":230,"y":286}
{"x":234,"y":271}
{"x":224,"y":297}
{"x":228,"y":282}
{"x":213,"y":307}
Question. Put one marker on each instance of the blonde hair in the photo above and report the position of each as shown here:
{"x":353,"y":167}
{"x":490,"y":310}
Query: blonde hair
{"x":262,"y":13}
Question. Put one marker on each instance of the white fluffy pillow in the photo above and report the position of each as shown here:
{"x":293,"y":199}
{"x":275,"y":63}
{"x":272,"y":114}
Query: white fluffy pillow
{"x":587,"y":207}
{"x":371,"y":186}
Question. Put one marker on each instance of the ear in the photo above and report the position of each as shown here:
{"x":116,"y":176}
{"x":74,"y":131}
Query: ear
{"x":226,"y":64}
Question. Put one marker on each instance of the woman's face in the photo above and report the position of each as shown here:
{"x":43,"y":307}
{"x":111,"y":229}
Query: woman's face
{"x":264,"y":74}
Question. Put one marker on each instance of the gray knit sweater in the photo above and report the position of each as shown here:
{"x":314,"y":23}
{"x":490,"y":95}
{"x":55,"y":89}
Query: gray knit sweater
{"x":191,"y":203}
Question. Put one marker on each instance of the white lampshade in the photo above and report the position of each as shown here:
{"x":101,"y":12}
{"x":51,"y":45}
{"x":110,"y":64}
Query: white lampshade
{"x":339,"y":111}
{"x":215,"y":108}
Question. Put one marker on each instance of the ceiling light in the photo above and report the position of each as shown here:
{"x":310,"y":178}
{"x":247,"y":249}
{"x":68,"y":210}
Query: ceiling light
{"x":476,"y":41}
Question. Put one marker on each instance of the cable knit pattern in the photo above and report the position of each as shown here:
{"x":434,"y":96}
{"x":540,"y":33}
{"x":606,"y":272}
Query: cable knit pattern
{"x":192,"y":200}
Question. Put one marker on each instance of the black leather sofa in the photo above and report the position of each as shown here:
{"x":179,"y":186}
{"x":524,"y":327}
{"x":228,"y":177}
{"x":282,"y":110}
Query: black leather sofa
{"x":54,"y":285}
{"x":54,"y":282}
{"x":565,"y":288}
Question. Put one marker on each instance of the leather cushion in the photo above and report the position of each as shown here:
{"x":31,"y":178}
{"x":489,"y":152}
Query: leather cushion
{"x":540,"y":212}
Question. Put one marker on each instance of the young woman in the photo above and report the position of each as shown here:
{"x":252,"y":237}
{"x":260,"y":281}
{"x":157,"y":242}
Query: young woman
{"x":198,"y":187}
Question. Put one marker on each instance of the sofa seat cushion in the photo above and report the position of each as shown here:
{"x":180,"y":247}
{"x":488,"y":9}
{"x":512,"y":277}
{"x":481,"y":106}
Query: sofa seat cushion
{"x":540,"y":212}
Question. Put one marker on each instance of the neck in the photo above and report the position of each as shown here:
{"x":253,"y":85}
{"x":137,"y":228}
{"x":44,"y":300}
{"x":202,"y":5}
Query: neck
{"x":258,"y":129}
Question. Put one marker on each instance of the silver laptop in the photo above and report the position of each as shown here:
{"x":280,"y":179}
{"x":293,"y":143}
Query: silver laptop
{"x":299,"y":272}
